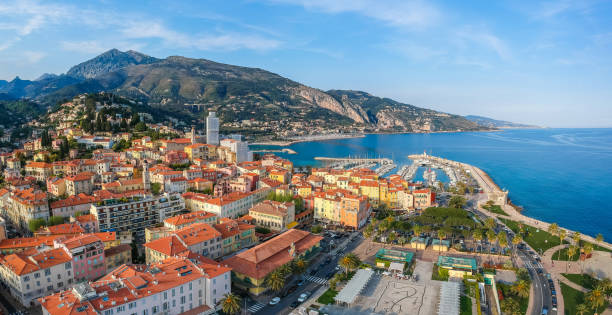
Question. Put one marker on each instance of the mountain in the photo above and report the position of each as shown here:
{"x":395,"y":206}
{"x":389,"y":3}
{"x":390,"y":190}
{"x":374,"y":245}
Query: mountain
{"x":3,"y":83}
{"x":494,"y":123}
{"x":47,"y":76}
{"x":241,"y":96}
{"x":107,"y":62}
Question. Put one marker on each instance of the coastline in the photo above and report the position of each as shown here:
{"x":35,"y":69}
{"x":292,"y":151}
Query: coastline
{"x":515,"y":215}
{"x":281,"y":143}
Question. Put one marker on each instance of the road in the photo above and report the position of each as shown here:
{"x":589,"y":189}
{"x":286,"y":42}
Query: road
{"x":321,"y":269}
{"x":542,"y":294}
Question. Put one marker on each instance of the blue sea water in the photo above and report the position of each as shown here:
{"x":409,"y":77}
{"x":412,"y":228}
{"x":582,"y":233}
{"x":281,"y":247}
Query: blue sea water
{"x":557,"y":175}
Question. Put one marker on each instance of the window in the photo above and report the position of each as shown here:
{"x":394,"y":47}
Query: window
{"x":47,"y":272}
{"x":173,"y":292}
{"x":37,"y":275}
{"x":27,"y":287}
{"x":165,"y":306}
{"x":59,"y":277}
{"x":49,"y":288}
{"x":173,"y":303}
{"x":190,"y":286}
{"x":181,"y":289}
{"x":26,"y":278}
{"x":165,"y":295}
{"x":68,"y":265}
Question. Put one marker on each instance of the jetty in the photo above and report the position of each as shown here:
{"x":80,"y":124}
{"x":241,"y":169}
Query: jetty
{"x":284,"y":150}
{"x":354,"y":162}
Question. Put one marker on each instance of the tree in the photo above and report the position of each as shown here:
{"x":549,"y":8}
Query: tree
{"x":231,"y":303}
{"x":275,"y":281}
{"x":477,"y":235}
{"x":55,"y":220}
{"x":417,"y":230}
{"x":316,"y":229}
{"x":349,"y":261}
{"x":553,"y":229}
{"x":587,"y":249}
{"x":401,"y":240}
{"x":576,"y":238}
{"x":521,"y":288}
{"x":156,"y":188}
{"x":562,"y":235}
{"x":140,"y":126}
{"x":571,"y":251}
{"x":457,"y":202}
{"x":298,"y":266}
{"x":502,"y":240}
{"x":599,"y":239}
{"x":582,"y":309}
{"x":516,"y":240}
{"x":510,"y":306}
{"x":441,"y":235}
{"x":490,"y":223}
{"x":596,"y":298}
{"x":491,"y":237}
{"x":35,"y":224}
{"x":391,"y":237}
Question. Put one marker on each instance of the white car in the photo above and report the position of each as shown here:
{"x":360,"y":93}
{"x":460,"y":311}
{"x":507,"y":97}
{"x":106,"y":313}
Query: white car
{"x":303,"y":297}
{"x":275,"y":301}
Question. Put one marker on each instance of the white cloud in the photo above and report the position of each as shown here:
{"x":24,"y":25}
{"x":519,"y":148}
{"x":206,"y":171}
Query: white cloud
{"x":33,"y":56}
{"x":401,"y":13}
{"x":96,"y":46}
{"x":25,"y":17}
{"x":485,"y":39}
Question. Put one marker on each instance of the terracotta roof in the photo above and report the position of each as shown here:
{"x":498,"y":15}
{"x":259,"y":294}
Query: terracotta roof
{"x":80,"y":240}
{"x":66,"y":228}
{"x":188,"y":218}
{"x":169,"y":245}
{"x":229,"y":227}
{"x":22,"y":264}
{"x":227,"y":199}
{"x":79,"y":199}
{"x":262,"y":259}
{"x":197,"y":233}
{"x":272,"y":207}
{"x":117,"y":250}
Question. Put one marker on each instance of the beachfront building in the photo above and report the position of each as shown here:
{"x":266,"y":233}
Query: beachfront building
{"x":276,"y":216}
{"x":177,"y":285}
{"x":37,"y":273}
{"x":251,"y":267}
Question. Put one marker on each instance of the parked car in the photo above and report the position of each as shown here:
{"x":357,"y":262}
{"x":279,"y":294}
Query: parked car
{"x":294,"y":304}
{"x":275,"y":301}
{"x":544,"y":310}
{"x":303,"y":297}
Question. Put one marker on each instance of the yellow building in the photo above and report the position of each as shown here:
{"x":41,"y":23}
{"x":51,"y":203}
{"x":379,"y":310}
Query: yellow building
{"x":273,"y":214}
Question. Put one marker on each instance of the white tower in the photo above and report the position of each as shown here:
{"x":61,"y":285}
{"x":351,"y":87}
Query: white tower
{"x":212,"y":129}
{"x":145,"y":176}
{"x":193,"y":137}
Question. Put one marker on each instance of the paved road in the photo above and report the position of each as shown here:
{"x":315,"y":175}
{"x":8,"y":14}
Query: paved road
{"x":313,"y":281}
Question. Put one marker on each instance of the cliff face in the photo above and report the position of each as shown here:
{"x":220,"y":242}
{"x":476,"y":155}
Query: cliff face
{"x":321,"y":99}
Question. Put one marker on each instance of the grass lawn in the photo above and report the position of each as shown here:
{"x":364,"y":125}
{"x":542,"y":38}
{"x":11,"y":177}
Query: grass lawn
{"x":562,"y":255}
{"x":506,"y":292}
{"x":583,"y":280}
{"x":435,"y":275}
{"x":572,"y":298}
{"x":327,"y":297}
{"x":465,"y":305}
{"x":495,"y":209}
{"x":539,"y":240}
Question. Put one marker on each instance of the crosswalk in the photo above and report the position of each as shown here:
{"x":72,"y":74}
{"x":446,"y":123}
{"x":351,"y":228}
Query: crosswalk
{"x":256,"y":308}
{"x":316,"y":279}
{"x":533,"y":265}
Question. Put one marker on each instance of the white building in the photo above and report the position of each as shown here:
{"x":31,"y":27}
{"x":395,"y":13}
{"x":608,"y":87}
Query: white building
{"x":29,"y":277}
{"x":241,"y":148}
{"x":173,"y":286}
{"x":212,"y":129}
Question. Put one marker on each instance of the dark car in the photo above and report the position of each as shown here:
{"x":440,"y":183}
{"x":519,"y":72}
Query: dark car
{"x":553,"y":292}
{"x":330,"y":274}
{"x":301,"y":282}
{"x":294,"y":304}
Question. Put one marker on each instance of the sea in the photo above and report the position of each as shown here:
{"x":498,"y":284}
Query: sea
{"x":556,"y":175}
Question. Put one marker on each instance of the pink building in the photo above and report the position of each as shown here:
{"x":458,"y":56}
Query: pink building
{"x":87,"y":252}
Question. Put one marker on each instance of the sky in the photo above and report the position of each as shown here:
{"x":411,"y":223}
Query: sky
{"x":545,"y":63}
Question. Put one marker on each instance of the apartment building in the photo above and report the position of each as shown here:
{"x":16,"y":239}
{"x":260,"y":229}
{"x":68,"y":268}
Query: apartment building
{"x":87,"y":253}
{"x":274,"y":215}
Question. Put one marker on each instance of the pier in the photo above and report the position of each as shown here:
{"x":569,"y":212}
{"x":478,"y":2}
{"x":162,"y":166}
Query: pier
{"x":284,"y":150}
{"x":451,"y":168}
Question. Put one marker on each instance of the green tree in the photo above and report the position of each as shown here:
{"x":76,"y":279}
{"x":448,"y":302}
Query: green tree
{"x":349,"y":261}
{"x":156,"y":188}
{"x":510,"y":306}
{"x":491,"y":236}
{"x":521,"y":288}
{"x":490,"y":223}
{"x":417,"y":230}
{"x":275,"y":281}
{"x":553,"y":229}
{"x":441,"y":235}
{"x":141,"y":126}
{"x":316,"y":229}
{"x":599,"y":239}
{"x":502,"y":240}
{"x":582,"y":309}
{"x":457,"y":202}
{"x":55,"y":220}
{"x":571,"y":251}
{"x":231,"y":303}
{"x":596,"y":298}
{"x":35,"y":224}
{"x":299,"y":266}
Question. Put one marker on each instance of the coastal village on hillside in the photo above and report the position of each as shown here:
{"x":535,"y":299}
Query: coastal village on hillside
{"x":103,"y":211}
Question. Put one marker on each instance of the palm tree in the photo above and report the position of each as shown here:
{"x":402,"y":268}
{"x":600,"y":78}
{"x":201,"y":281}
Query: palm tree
{"x":571,"y":251}
{"x":502,"y":240}
{"x":298,"y":266}
{"x":391,"y":237}
{"x":521,"y":288}
{"x":417,"y":230}
{"x":596,"y":298}
{"x":231,"y":303}
{"x":562,"y":235}
{"x":441,"y":235}
{"x":401,"y":241}
{"x":576,"y":238}
{"x":510,"y":306}
{"x":517,"y":239}
{"x":491,"y":238}
{"x":477,"y":235}
{"x":581,"y":309}
{"x":275,"y":280}
{"x":349,"y":261}
{"x":606,"y":286}
{"x":490,"y":223}
{"x":553,"y":228}
{"x":599,"y":239}
{"x":587,"y":249}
